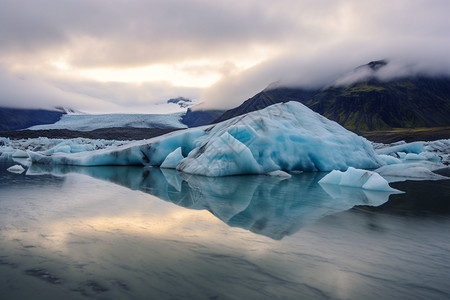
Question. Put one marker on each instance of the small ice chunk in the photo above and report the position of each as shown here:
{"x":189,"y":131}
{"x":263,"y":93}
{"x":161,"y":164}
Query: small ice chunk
{"x":389,"y":160}
{"x":401,"y":154}
{"x":280,"y":174}
{"x":413,"y":156}
{"x":20,"y":153}
{"x":358,"y":178}
{"x":173,"y":159}
{"x":18,"y":169}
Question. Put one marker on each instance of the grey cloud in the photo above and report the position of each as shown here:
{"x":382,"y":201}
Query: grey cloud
{"x":317,"y":41}
{"x":412,"y":35}
{"x":135,"y":32}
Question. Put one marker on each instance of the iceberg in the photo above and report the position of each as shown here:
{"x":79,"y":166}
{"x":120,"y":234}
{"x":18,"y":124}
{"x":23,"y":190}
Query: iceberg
{"x":286,"y":136}
{"x":358,"y":178}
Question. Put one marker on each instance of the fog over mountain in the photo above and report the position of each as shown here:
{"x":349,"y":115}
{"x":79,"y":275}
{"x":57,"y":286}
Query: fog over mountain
{"x":127,"y":56}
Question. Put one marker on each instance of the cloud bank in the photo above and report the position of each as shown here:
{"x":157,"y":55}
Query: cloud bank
{"x":129,"y":55}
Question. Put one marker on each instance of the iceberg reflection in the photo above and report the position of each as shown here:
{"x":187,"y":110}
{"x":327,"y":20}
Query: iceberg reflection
{"x":265,"y":205}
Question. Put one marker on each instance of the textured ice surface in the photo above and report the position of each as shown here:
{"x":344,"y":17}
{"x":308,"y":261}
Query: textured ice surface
{"x":357,"y":178}
{"x":91,"y":122}
{"x":287,"y":136}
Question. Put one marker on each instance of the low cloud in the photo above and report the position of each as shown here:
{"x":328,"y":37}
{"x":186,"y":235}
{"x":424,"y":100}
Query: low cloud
{"x":89,"y":96}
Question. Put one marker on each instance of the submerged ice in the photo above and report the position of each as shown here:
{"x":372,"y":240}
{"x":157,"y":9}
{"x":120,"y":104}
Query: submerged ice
{"x":287,"y":136}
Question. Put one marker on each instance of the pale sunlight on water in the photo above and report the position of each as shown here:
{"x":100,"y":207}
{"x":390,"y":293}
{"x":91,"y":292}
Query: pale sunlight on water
{"x":146,"y":233}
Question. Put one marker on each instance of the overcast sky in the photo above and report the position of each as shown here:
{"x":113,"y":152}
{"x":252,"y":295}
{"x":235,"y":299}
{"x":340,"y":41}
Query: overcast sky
{"x":125,"y":55}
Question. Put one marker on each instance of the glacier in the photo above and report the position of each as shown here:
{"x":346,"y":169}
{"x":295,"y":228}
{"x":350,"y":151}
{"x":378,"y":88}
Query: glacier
{"x":88,"y":122}
{"x":286,"y":136}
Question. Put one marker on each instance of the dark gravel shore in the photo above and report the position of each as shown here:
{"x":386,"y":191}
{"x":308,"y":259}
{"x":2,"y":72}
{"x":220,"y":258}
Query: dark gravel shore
{"x":122,"y":133}
{"x":118,"y":133}
{"x":408,"y":135}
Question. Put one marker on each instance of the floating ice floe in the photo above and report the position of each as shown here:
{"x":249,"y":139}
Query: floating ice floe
{"x":280,"y":174}
{"x":358,"y":178}
{"x":18,"y":169}
{"x":414,"y":161}
{"x":286,"y":136}
{"x":411,"y":171}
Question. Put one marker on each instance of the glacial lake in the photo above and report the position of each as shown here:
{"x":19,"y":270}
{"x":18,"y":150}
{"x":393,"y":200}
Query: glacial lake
{"x":149,"y":233}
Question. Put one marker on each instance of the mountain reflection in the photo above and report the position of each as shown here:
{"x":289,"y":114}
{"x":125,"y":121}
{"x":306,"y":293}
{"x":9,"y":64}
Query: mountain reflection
{"x":264,"y":205}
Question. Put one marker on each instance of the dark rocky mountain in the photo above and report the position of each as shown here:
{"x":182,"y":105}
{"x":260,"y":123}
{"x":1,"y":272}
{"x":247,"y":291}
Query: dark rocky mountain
{"x":266,"y":98}
{"x":369,"y":104}
{"x":200,"y":117}
{"x":181,"y":101}
{"x":16,"y":118}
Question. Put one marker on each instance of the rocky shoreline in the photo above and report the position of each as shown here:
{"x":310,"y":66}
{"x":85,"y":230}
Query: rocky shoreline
{"x":126,"y":133}
{"x":117,"y":133}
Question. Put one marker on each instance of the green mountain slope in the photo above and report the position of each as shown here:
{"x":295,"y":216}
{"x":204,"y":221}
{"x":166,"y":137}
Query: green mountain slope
{"x":267,"y":98}
{"x":375,"y":105}
{"x":369,"y":105}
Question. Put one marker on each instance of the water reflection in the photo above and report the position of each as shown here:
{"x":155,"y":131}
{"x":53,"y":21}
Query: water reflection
{"x":264,"y":205}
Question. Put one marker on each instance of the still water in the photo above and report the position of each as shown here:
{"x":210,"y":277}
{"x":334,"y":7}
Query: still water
{"x":147,"y":233}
